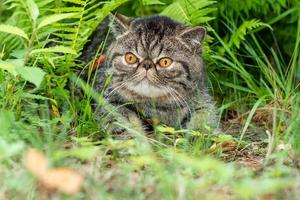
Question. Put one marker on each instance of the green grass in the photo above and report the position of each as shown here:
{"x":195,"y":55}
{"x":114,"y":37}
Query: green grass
{"x":253,"y":67}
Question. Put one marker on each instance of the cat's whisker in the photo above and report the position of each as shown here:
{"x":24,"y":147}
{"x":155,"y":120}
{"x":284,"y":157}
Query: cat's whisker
{"x":116,"y":89}
{"x":176,"y":99}
{"x":180,"y":97}
{"x":122,"y":85}
{"x":169,"y":91}
{"x":119,"y":86}
{"x":182,"y":100}
{"x":178,"y":102}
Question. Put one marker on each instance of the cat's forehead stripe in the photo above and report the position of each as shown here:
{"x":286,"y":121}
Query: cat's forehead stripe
{"x":152,"y":30}
{"x":154,"y":44}
{"x":158,"y":25}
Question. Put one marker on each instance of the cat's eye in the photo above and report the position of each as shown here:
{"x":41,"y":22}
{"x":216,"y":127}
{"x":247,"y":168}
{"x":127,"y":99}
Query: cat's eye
{"x":165,"y":62}
{"x":130,"y":58}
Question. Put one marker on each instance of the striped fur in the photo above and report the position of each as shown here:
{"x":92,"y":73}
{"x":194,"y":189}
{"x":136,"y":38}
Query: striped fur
{"x":176,"y":95}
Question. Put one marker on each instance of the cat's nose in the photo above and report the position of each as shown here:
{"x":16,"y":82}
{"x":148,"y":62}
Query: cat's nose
{"x":147,"y":64}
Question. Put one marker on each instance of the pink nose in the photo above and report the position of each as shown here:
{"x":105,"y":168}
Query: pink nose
{"x":147,"y":64}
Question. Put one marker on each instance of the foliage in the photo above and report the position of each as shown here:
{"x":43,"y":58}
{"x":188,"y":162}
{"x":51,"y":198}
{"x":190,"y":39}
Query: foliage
{"x":253,"y":67}
{"x":241,"y":32}
{"x":190,"y":11}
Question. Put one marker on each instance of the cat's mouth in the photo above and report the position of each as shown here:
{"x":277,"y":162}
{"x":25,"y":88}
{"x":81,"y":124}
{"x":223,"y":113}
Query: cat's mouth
{"x":145,"y":84}
{"x":145,"y":87}
{"x":146,"y":77}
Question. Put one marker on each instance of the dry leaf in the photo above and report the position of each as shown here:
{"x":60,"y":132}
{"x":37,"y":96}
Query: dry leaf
{"x":35,"y":162}
{"x":228,"y":145}
{"x":62,"y":179}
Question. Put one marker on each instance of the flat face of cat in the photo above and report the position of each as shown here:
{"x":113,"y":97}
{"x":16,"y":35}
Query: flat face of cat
{"x":155,"y":57}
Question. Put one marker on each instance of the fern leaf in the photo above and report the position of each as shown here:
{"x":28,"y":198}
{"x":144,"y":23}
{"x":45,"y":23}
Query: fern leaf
{"x":190,"y":11}
{"x":55,"y":18}
{"x":90,"y":17}
{"x":152,"y":2}
{"x":13,"y":30}
{"x":176,"y":11}
{"x":34,"y":75}
{"x":239,"y":35}
{"x":55,"y":49}
{"x":78,"y":2}
{"x":10,"y":67}
{"x":24,"y":14}
{"x":33,"y":9}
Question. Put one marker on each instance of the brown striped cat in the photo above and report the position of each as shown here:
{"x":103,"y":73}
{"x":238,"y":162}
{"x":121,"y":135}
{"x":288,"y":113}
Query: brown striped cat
{"x":157,"y":67}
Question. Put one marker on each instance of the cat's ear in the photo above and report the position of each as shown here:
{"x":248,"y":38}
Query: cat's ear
{"x":193,"y":36}
{"x":120,"y":23}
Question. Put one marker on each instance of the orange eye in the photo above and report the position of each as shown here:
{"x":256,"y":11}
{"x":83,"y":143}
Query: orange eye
{"x":130,"y":58}
{"x":165,"y":62}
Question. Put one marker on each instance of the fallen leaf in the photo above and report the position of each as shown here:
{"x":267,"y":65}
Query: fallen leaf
{"x":35,"y":162}
{"x":63,"y":179}
{"x":268,"y":197}
{"x":228,"y":145}
{"x":225,"y":146}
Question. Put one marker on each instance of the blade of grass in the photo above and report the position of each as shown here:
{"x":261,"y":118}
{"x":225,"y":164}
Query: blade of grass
{"x":249,"y":118}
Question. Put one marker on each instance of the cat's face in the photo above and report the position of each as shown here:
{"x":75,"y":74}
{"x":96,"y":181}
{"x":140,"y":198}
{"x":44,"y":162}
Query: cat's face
{"x":155,"y":57}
